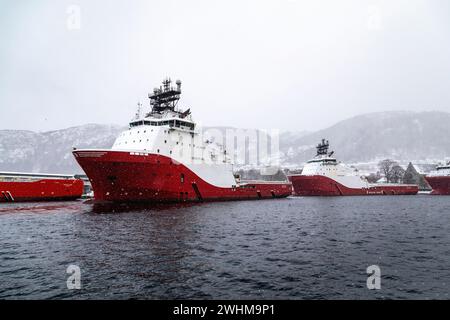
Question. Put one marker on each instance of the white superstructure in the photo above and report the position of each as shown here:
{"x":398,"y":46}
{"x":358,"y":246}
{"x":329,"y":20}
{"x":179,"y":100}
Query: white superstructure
{"x":169,"y":132}
{"x":325,"y":165}
{"x":441,"y":171}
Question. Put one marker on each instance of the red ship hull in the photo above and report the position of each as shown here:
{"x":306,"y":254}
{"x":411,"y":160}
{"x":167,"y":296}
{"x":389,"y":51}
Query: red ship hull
{"x":41,"y":190}
{"x":125,"y":177}
{"x":440,"y":185}
{"x":324,"y":186}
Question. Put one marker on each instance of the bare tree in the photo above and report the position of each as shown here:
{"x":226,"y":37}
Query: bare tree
{"x":385,"y":167}
{"x":396,"y":174}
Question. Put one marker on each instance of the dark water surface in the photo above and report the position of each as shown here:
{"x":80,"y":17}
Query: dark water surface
{"x":295,"y":248}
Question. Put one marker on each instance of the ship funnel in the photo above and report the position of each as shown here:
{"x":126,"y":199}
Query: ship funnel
{"x":178,"y":82}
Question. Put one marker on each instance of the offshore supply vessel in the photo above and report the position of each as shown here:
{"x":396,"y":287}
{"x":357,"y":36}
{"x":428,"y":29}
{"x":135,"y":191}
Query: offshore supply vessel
{"x":163,"y":158}
{"x":18,"y":187}
{"x":439,"y":180}
{"x":325,"y":176}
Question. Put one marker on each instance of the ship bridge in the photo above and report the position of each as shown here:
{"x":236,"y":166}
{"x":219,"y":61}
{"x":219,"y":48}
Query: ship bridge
{"x":171,"y":123}
{"x":164,"y":112}
{"x":322,"y":155}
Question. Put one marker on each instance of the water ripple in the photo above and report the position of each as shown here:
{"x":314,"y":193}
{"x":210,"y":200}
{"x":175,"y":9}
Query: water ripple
{"x":295,"y":248}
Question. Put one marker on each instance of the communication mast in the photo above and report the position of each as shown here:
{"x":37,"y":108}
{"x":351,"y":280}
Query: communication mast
{"x":138,"y":111}
{"x":165,"y":97}
{"x":322,"y":148}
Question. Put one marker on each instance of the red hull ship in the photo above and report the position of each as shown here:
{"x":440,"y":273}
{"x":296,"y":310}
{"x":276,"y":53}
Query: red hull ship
{"x":161,"y":158}
{"x":324,"y":186}
{"x":129,"y":176}
{"x":324,"y":176}
{"x":19,"y":187}
{"x":439,"y":180}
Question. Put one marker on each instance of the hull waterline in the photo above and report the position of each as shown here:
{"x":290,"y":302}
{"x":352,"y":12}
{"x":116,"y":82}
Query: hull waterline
{"x":325,"y":186}
{"x":120,"y":176}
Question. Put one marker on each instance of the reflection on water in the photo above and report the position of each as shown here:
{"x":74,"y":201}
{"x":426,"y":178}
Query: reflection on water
{"x":109,"y":207}
{"x":287,"y":248}
{"x":40,"y":207}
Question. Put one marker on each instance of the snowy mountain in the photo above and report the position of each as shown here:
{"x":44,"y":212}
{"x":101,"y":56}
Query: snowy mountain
{"x":51,"y":151}
{"x":404,"y":136}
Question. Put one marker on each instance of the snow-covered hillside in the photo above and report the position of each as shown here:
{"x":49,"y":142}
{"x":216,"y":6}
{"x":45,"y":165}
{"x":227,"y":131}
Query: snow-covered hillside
{"x":404,"y":136}
{"x":51,"y":151}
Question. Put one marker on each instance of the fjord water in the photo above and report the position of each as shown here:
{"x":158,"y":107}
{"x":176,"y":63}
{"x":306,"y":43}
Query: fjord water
{"x":294,"y":248}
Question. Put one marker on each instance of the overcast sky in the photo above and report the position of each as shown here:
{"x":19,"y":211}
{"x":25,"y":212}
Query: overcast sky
{"x":286,"y":64}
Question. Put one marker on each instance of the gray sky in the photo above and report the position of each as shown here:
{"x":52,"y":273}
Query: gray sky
{"x":286,"y":64}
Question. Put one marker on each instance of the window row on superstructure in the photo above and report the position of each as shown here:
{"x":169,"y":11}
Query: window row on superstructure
{"x":171,"y":123}
{"x":323,"y":161}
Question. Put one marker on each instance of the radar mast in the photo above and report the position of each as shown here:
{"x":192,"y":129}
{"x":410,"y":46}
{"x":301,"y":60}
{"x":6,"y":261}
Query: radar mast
{"x":165,"y":97}
{"x":322,"y":148}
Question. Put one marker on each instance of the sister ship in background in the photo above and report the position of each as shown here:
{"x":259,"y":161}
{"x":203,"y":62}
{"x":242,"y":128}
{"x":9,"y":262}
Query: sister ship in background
{"x":162,"y":158}
{"x":439,"y":180}
{"x":324,"y":176}
{"x":19,"y":187}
